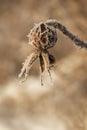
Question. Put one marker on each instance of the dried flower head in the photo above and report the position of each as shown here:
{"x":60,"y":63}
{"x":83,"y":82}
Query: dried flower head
{"x":42,"y":37}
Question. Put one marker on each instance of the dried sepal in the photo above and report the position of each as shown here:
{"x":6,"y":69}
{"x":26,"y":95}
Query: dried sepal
{"x":42,"y":67}
{"x":27,"y":65}
{"x":45,"y":56}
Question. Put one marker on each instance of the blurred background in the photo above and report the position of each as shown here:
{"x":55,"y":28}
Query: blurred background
{"x":60,"y":105}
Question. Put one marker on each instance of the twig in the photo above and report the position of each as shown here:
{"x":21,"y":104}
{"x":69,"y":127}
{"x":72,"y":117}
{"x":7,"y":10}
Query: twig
{"x":66,"y":32}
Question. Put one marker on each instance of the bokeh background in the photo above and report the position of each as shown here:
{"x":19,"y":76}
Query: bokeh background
{"x":60,"y":105}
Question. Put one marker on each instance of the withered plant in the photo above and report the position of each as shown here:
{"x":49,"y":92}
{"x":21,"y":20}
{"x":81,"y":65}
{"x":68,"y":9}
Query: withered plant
{"x":43,"y":37}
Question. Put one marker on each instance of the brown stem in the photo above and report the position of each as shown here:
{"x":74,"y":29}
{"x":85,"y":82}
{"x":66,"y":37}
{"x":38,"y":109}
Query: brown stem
{"x":66,"y":32}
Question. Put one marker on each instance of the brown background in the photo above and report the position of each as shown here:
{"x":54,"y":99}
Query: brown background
{"x":61,"y":105}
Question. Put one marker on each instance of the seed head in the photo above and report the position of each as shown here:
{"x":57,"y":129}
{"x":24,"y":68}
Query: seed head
{"x":42,"y":36}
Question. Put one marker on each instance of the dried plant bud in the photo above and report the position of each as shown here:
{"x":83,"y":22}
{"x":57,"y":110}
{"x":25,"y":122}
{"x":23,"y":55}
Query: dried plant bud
{"x":44,"y":36}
